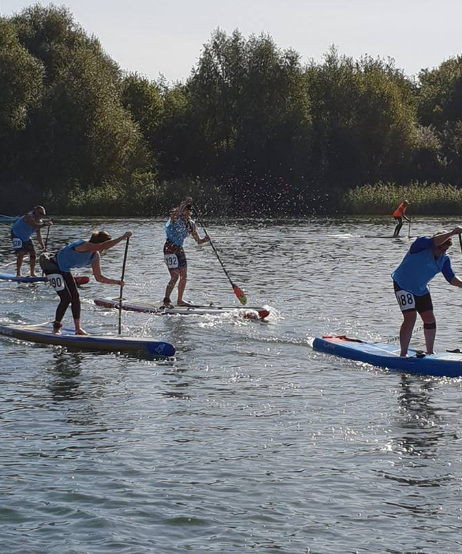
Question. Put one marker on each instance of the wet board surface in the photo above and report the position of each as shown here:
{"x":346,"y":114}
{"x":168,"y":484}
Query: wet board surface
{"x":43,"y":334}
{"x":446,"y":364}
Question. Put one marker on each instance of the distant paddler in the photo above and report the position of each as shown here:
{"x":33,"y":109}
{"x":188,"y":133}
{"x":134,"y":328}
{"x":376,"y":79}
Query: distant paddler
{"x":178,"y":227}
{"x":426,"y":258}
{"x":399,"y":214}
{"x":21,"y":237}
{"x":80,"y":253}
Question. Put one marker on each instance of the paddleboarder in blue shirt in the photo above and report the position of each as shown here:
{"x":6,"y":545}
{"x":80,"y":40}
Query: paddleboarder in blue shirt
{"x":77,"y":254}
{"x":178,"y":227}
{"x":426,"y":258}
{"x":21,"y":233}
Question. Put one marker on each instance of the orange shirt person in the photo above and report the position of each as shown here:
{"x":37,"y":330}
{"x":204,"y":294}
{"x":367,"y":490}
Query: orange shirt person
{"x":399,"y":214}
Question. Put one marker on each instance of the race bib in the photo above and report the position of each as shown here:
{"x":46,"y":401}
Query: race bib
{"x":171,"y":260}
{"x":56,"y":281}
{"x":405,"y":299}
{"x":17,"y":243}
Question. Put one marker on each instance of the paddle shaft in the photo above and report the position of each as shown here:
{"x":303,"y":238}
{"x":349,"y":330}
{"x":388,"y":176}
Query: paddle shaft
{"x":213,"y":248}
{"x":121,"y":286}
{"x":46,"y":239}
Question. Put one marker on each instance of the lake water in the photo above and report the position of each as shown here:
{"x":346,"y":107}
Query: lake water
{"x":248,"y":441}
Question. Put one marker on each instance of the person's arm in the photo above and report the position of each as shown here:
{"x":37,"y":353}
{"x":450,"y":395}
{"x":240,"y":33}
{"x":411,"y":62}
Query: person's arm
{"x":93,"y":247}
{"x":178,"y":211}
{"x":30,"y":220}
{"x":440,"y":239}
{"x":96,"y":267}
{"x":39,"y":238}
{"x":195,"y":234}
{"x":456,"y":282}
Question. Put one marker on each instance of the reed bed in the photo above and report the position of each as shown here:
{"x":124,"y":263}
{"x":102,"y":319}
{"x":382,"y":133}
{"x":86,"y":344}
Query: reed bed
{"x":383,"y":198}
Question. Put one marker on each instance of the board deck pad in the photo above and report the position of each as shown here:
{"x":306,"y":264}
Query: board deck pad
{"x":445,"y":364}
{"x":43,"y":334}
{"x":250,"y":312}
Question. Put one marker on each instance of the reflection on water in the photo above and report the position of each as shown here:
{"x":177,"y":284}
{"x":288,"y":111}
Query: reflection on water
{"x":247,"y":440}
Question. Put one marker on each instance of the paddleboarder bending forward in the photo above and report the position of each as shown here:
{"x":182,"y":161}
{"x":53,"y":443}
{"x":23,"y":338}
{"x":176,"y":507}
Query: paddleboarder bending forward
{"x":77,"y":254}
{"x":177,"y":228}
{"x":21,"y":237}
{"x":426,"y":258}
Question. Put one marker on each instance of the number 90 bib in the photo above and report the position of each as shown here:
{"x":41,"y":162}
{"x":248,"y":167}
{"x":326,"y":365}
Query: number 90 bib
{"x":56,"y":281}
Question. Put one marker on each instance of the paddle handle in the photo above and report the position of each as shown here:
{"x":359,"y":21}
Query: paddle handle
{"x":121,"y":286}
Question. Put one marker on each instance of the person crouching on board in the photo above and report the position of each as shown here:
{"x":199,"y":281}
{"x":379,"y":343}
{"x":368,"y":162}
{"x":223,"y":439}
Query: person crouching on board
{"x":21,"y":237}
{"x":399,"y":214}
{"x":177,"y":228}
{"x":77,"y":254}
{"x":426,"y":258}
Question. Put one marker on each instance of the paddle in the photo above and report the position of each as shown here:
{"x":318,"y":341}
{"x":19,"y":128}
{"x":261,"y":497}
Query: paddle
{"x":46,"y":239}
{"x":409,"y":230}
{"x":121,"y":287}
{"x":237,"y":291}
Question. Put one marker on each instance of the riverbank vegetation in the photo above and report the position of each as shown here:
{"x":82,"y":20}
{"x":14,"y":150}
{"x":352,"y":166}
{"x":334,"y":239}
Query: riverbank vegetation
{"x":252,"y":130}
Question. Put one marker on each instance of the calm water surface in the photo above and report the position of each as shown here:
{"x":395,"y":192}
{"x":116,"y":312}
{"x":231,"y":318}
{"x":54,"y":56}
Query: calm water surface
{"x":247,"y":440}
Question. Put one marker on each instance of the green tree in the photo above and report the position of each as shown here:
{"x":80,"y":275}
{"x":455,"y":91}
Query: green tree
{"x":21,"y":89}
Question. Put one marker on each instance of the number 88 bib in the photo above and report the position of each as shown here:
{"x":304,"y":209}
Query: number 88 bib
{"x":406,"y":300}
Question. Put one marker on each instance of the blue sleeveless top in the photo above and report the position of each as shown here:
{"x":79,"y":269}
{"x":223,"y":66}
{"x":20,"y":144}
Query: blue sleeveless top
{"x":419,"y":266}
{"x":178,"y":230}
{"x":67,"y":257}
{"x":22,"y":230}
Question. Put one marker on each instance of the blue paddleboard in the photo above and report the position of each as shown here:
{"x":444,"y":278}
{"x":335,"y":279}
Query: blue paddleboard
{"x":447,"y":364}
{"x":43,"y":334}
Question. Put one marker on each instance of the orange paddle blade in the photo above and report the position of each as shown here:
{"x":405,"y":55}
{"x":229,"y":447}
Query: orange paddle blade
{"x":240,"y":295}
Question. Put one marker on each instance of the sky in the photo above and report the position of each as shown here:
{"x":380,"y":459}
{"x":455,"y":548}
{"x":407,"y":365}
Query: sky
{"x":166,"y":37}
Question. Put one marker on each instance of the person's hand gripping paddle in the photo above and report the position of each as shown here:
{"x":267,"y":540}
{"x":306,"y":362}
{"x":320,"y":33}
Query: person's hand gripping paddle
{"x":240,"y":295}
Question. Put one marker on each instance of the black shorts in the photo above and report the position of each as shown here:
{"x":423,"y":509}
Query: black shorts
{"x":21,"y":246}
{"x":174,"y":256}
{"x":409,"y":302}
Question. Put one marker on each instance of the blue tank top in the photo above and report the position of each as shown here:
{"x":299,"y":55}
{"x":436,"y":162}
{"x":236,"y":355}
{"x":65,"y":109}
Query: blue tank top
{"x":22,"y":230}
{"x":419,"y":266}
{"x":68,"y":258}
{"x":178,"y":230}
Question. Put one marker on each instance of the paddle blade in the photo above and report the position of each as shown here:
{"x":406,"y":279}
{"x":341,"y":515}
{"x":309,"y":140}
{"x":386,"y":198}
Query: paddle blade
{"x":240,"y":295}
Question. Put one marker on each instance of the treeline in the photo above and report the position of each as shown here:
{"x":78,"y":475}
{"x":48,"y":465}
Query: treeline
{"x":252,"y":129}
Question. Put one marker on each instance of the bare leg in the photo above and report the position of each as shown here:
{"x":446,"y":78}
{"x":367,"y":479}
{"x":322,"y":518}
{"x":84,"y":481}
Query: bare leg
{"x":182,"y":286}
{"x":405,"y":332}
{"x":429,"y":330}
{"x":32,"y":265}
{"x":174,"y":275}
{"x":19,"y":260}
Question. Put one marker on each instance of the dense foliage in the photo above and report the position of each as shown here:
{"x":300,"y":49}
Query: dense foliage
{"x":251,"y":129}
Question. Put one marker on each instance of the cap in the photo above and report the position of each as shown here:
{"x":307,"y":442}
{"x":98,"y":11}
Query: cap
{"x":40,"y":209}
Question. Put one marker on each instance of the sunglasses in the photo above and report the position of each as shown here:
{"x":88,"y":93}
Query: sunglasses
{"x":188,"y":207}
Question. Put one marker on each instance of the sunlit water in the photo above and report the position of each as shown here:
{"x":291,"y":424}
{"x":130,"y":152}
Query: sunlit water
{"x":247,"y":440}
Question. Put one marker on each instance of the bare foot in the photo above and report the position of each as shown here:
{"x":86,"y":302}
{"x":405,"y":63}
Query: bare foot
{"x":80,"y":332}
{"x":57,"y":331}
{"x":185,"y":304}
{"x":167,"y":303}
